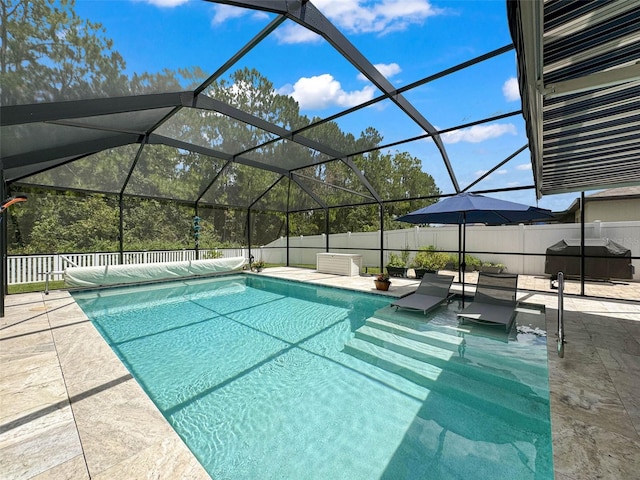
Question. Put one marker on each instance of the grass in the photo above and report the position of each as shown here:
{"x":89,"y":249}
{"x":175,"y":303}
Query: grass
{"x":35,"y":287}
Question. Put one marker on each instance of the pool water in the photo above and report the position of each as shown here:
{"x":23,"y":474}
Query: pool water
{"x":272,"y":379}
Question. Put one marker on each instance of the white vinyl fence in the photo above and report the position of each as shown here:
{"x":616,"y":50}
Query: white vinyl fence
{"x":521,"y":248}
{"x":33,"y":268}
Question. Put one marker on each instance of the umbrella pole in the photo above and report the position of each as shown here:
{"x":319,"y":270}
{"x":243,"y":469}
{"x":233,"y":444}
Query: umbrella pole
{"x":459,"y":250}
{"x":464,"y":249}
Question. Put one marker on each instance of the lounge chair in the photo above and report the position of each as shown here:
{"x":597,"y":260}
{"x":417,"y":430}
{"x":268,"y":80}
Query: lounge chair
{"x":494,"y":301}
{"x":432,"y":291}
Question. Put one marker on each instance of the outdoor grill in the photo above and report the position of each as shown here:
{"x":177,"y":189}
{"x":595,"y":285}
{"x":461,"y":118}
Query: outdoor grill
{"x":604,"y":259}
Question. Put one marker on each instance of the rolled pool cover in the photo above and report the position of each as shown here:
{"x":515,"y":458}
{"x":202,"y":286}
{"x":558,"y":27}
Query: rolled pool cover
{"x":147,"y":272}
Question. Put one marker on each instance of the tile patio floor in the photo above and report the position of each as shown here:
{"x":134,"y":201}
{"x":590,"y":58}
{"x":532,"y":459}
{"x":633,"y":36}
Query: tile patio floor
{"x":70,"y":410}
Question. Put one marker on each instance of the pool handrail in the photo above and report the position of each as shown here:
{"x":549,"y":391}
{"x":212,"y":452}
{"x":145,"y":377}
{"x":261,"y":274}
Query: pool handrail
{"x":561,"y":341}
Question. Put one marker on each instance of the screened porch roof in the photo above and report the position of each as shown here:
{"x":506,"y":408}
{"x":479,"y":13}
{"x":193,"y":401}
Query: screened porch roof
{"x":581,"y":123}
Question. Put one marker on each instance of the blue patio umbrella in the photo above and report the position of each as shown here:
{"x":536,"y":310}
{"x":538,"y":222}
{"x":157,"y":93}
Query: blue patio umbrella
{"x":466,"y":208}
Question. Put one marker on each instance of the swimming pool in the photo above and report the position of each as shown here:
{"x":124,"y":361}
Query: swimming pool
{"x":266,"y":378}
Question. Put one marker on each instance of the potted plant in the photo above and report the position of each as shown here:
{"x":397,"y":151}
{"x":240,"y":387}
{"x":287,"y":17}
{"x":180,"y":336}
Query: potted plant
{"x":490,"y":267}
{"x":472,"y":263}
{"x":382,"y":282}
{"x":451,"y":262}
{"x":258,"y":265}
{"x":404,"y":255}
{"x":428,"y":260}
{"x":396,"y":267}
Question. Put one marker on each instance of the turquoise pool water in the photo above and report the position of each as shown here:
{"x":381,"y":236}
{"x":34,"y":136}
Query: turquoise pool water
{"x":270,"y":379}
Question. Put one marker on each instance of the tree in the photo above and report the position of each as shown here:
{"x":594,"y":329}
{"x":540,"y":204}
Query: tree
{"x":155,"y":225}
{"x":48,"y":53}
{"x":66,"y":222}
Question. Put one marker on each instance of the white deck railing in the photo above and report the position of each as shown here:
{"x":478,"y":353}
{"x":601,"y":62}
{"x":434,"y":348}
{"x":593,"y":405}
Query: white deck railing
{"x":33,"y":268}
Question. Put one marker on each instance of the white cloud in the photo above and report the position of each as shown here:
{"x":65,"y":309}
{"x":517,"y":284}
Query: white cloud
{"x":226,"y":12}
{"x":480,"y":173}
{"x":388,"y":70}
{"x":362,"y":16}
{"x":323,"y":91}
{"x":479,"y":133}
{"x":524,"y":166}
{"x":510,"y":90}
{"x":166,"y":3}
{"x":513,"y":184}
{"x":292,"y":33}
{"x":351,"y":16}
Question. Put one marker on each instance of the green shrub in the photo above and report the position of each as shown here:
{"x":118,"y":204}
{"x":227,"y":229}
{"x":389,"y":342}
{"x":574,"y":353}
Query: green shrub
{"x":211,"y":254}
{"x":396,"y":260}
{"x":473,"y":263}
{"x":492,"y":264}
{"x":427,"y":258}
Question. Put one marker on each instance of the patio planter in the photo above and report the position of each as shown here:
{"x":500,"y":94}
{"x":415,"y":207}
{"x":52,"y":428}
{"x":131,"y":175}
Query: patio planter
{"x":454,"y":267}
{"x":382,"y":285}
{"x":421,"y":271}
{"x":491,"y":269}
{"x":397,"y":271}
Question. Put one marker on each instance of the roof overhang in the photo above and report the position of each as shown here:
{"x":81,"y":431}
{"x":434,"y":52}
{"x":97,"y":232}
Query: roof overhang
{"x":579,"y":76}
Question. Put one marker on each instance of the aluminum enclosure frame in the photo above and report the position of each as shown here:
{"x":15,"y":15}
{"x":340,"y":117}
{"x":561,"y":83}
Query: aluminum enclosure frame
{"x":557,"y":165}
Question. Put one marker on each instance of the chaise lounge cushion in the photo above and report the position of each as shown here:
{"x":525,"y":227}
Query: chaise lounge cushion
{"x":494,"y":301}
{"x":432,"y":291}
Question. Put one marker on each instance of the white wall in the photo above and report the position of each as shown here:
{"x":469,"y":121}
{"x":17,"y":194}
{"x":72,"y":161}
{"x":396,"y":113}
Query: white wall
{"x":514,"y":239}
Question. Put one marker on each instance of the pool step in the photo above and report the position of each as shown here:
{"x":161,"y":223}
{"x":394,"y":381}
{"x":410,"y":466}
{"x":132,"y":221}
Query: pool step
{"x":439,"y":357}
{"x":419,"y":332}
{"x":412,"y":319}
{"x":503,"y":403}
{"x":456,"y":341}
{"x":451,"y":337}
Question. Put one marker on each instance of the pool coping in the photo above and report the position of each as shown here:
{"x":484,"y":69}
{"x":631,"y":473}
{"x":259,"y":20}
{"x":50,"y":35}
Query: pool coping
{"x":70,"y":409}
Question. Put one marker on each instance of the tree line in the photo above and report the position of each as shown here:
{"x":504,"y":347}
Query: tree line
{"x":48,"y":53}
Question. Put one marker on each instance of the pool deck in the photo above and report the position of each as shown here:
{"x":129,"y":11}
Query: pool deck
{"x":70,"y":410}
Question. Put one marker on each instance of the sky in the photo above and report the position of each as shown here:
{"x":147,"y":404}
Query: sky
{"x":407,"y":41}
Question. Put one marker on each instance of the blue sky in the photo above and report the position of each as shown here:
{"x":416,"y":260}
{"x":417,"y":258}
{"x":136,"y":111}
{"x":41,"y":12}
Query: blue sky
{"x":407,"y":40}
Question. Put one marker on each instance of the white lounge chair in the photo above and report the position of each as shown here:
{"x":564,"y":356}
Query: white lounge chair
{"x":432,"y":291}
{"x":494,"y":301}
